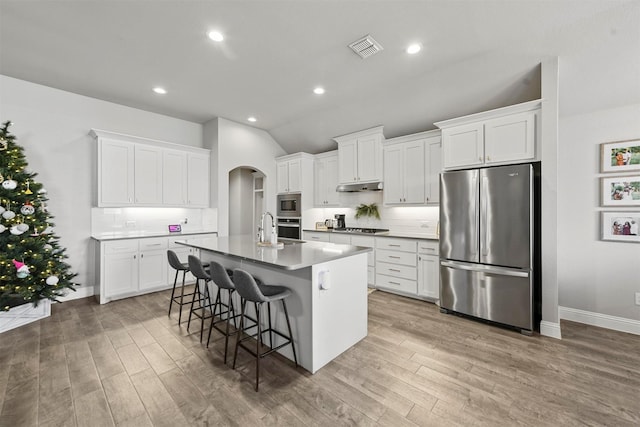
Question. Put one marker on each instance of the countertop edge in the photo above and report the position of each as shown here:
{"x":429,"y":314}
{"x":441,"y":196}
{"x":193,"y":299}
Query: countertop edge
{"x":103,"y":238}
{"x":385,"y":234}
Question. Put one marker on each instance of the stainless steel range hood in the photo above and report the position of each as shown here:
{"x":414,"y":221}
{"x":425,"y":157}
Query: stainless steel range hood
{"x":354,"y":188}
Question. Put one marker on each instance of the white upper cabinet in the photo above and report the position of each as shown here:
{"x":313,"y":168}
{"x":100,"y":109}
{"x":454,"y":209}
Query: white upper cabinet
{"x":135,"y":171}
{"x":198,"y":186}
{"x":409,"y":170}
{"x":115,"y":173}
{"x":502,"y":136}
{"x":290,"y":169}
{"x":174,"y":177}
{"x":325,"y":181}
{"x":148,"y":175}
{"x":360,"y":156}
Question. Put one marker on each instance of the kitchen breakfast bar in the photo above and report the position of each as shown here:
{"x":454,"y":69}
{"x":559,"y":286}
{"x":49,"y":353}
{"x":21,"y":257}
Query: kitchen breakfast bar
{"x":328,"y":282}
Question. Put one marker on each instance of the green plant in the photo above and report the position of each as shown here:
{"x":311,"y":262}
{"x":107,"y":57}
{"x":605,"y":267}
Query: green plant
{"x":367,"y":211}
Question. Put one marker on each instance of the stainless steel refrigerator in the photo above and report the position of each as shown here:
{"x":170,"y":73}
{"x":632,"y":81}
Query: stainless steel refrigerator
{"x":489,"y":244}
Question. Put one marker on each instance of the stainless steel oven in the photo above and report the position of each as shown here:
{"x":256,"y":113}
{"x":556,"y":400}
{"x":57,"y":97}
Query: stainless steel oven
{"x":289,"y":205}
{"x":289,"y":228}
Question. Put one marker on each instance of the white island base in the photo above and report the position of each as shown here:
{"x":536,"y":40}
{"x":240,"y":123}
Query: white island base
{"x":327,"y":307}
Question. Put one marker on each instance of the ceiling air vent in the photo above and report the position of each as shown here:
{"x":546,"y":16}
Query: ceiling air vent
{"x":366,"y":46}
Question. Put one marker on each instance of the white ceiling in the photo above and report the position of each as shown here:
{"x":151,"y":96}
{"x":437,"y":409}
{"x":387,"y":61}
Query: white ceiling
{"x":477,"y":55}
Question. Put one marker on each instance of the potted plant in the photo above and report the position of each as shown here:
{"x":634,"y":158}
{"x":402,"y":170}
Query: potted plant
{"x":367,"y":211}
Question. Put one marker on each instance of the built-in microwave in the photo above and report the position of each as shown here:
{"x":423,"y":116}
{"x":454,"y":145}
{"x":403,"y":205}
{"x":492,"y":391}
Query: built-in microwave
{"x":289,"y":205}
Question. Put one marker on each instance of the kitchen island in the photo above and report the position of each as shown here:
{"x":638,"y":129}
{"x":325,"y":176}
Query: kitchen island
{"x":328,"y":282}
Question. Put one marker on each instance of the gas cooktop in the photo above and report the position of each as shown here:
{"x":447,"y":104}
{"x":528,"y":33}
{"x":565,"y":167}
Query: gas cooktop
{"x":363,"y":230}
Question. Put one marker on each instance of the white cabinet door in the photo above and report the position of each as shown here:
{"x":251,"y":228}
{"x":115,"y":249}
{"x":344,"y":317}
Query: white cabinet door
{"x":116,"y":168}
{"x":341,"y":239}
{"x":463,"y":145}
{"x":148,"y":175}
{"x":348,"y":161}
{"x":319,"y":183}
{"x":433,"y":169}
{"x":198,"y":180}
{"x":295,"y":183}
{"x":510,"y":138}
{"x":282,"y":180}
{"x":331,"y":175}
{"x":120,"y":274}
{"x":153,"y":272}
{"x":428,"y":277}
{"x":393,"y":175}
{"x":174,"y":178}
{"x":413,"y":172}
{"x":369,"y":152}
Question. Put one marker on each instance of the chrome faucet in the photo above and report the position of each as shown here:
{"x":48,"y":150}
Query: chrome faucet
{"x":261,"y":227}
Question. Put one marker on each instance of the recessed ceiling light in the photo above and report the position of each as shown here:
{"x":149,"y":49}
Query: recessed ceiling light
{"x":215,"y":36}
{"x":319,"y":90}
{"x":252,"y":119}
{"x":414,"y":48}
{"x":160,"y":90}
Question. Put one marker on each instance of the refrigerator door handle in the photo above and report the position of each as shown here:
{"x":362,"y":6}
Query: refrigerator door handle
{"x":485,"y":269}
{"x":484,"y":194}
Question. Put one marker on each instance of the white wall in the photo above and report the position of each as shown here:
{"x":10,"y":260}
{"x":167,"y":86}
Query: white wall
{"x":53,"y":127}
{"x":594,"y":275}
{"x":241,"y":201}
{"x":236,"y":145}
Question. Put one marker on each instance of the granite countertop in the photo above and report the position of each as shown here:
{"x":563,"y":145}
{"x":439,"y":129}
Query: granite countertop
{"x":294,"y":256}
{"x":404,"y":235}
{"x":120,"y":235}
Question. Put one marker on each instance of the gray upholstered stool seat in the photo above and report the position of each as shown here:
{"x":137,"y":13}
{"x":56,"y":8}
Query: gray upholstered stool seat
{"x":250,"y":291}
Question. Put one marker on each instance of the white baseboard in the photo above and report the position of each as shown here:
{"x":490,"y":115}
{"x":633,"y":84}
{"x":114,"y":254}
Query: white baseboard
{"x":550,"y":329}
{"x":23,"y":314}
{"x":81,"y":292}
{"x":602,"y":320}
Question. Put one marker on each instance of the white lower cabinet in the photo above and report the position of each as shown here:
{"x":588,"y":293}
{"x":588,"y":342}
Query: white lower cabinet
{"x":428,"y":270}
{"x":130,"y":267}
{"x":396,"y":265}
{"x":317,"y":236}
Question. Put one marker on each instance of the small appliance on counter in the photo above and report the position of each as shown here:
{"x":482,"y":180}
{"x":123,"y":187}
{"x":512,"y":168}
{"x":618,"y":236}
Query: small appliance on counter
{"x":322,"y":226}
{"x":340,"y":222}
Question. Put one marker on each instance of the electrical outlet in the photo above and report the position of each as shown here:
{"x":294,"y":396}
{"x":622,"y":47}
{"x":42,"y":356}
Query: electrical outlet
{"x":637,"y":298}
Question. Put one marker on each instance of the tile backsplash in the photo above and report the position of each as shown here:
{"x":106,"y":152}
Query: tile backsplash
{"x":109,"y":220}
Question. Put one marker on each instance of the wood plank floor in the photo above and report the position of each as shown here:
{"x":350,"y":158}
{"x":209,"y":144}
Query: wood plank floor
{"x":127,"y":364}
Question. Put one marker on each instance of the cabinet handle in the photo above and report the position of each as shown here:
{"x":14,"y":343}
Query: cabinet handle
{"x":141,"y":255}
{"x":394,"y":257}
{"x":419,"y":258}
{"x":393,"y":269}
{"x":395,"y":246}
{"x":155,"y":244}
{"x":134,"y":257}
{"x":394,"y":283}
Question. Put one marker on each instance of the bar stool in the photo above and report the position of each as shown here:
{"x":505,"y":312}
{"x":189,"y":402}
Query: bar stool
{"x":183,"y":267}
{"x":204,"y":301}
{"x":222,"y":279}
{"x":250,"y":291}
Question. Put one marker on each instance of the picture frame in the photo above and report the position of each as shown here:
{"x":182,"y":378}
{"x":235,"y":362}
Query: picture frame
{"x":620,"y":191}
{"x":616,"y":225}
{"x":620,"y":156}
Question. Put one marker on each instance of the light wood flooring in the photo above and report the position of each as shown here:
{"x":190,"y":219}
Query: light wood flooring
{"x":127,"y":364}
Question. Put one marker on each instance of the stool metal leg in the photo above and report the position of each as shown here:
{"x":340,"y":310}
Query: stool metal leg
{"x":270,"y":328}
{"x":258,"y":343}
{"x":204,"y":308}
{"x":230,"y":312}
{"x":184,"y":274}
{"x":196,"y":291}
{"x":243,"y":304}
{"x":216,"y":304}
{"x":293,"y":346}
{"x":173,"y":291}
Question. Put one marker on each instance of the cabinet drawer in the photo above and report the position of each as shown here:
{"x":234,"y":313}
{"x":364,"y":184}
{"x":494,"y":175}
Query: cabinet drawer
{"x":402,"y":258}
{"x":396,"y":284}
{"x":366,"y":241}
{"x":317,"y":237}
{"x":428,"y":247}
{"x":341,"y":239}
{"x":404,"y":245}
{"x":403,"y":271}
{"x":121,"y":246}
{"x":154,"y":244}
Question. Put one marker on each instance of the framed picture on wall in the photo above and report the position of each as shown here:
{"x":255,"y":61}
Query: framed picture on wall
{"x":621,"y":156}
{"x":621,"y":226}
{"x":621,"y":191}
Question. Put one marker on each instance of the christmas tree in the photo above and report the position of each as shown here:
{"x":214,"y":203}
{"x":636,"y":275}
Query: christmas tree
{"x":32,"y":266}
